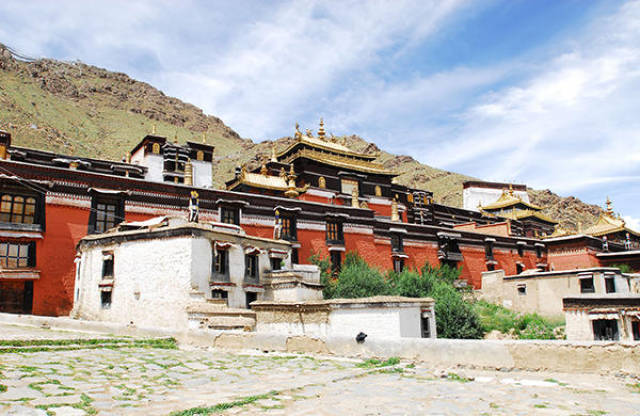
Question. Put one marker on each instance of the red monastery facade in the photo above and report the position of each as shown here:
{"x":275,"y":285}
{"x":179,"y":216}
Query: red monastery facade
{"x":322,"y":197}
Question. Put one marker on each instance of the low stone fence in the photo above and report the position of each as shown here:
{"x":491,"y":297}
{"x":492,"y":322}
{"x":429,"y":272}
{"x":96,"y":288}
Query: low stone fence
{"x":563,"y":356}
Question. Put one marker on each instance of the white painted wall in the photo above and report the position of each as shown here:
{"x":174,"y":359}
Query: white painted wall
{"x":152,"y":282}
{"x":202,"y":175}
{"x":154,"y":164}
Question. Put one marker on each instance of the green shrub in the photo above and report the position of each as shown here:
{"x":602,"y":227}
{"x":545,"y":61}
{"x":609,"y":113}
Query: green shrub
{"x":359,"y":280}
{"x":624,"y":268}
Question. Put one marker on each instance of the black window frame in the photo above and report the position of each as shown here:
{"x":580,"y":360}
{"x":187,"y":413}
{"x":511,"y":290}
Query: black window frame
{"x":397,"y":245}
{"x":107,"y":265}
{"x":610,"y":284}
{"x":251,"y":267}
{"x":398,"y":264}
{"x":230,"y":215}
{"x":29,"y":258}
{"x":488,"y":250}
{"x":335,"y":232}
{"x":39,"y":207}
{"x":335,"y":258}
{"x":118,"y":215}
{"x":220,"y":259}
{"x":520,"y":250}
{"x":276,"y":263}
{"x":106,"y":298}
{"x":288,"y":227}
{"x":587,"y":288}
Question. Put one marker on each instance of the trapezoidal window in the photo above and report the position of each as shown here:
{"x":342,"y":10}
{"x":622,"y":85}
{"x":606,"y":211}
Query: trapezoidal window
{"x":398,"y":265}
{"x":605,"y":330}
{"x":107,"y":265}
{"x":586,"y":285}
{"x":336,"y":261}
{"x":610,"y":284}
{"x":397,"y":245}
{"x":220,"y":267}
{"x":251,"y":263}
{"x":230,"y":215}
{"x":18,"y":209}
{"x":17,"y":255}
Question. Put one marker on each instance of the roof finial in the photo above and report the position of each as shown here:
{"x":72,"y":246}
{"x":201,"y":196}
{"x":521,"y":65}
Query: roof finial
{"x":298,"y":134}
{"x":264,"y":170}
{"x":609,"y":207}
{"x":204,"y":137}
{"x":273,"y":153}
{"x":153,"y":129}
{"x":175,"y":138}
{"x":511,"y":189}
{"x":321,"y":132}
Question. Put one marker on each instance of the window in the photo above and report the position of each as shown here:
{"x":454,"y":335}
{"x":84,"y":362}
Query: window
{"x":334,"y":232}
{"x":396,"y":243}
{"x":219,"y":294}
{"x":105,"y":299}
{"x":294,"y":256}
{"x":336,"y":261}
{"x":521,"y":250}
{"x":425,"y":327}
{"x":609,"y":284}
{"x":635,"y":329}
{"x":538,"y":251}
{"x":605,"y":330}
{"x":105,"y":214}
{"x":230,"y":215}
{"x":288,"y":230}
{"x":251,"y":267}
{"x":220,"y":265}
{"x":491,"y":267}
{"x":18,"y":209}
{"x":488,"y":250}
{"x":522,"y":289}
{"x":398,"y":265}
{"x":250,"y":297}
{"x":519,"y":268}
{"x":107,"y":265}
{"x":348,"y":185}
{"x":276,"y":263}
{"x":17,"y":255}
{"x":586,"y":285}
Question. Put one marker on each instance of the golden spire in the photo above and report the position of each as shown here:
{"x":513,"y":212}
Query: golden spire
{"x":175,"y":138}
{"x":609,"y":207}
{"x":153,"y":129}
{"x":291,"y":171}
{"x":273,"y":153}
{"x":511,"y":189}
{"x":263,"y":169}
{"x":309,"y":133}
{"x":127,"y":157}
{"x":188,"y":173}
{"x":321,"y":132}
{"x":204,"y":138}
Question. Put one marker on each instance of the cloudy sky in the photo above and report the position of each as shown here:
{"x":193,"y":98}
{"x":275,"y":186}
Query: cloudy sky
{"x":541,"y":92}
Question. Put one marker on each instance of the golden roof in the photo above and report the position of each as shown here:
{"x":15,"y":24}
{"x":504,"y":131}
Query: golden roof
{"x":608,"y":224}
{"x":258,"y":180}
{"x":340,"y":161}
{"x":321,"y":143}
{"x":508,"y":199}
{"x":520,"y":214}
{"x":559,"y":231}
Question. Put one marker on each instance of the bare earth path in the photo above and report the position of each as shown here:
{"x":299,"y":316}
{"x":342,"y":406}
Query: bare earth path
{"x":98,"y":377}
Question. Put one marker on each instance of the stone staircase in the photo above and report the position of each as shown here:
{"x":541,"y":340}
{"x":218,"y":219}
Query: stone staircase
{"x":214,"y":314}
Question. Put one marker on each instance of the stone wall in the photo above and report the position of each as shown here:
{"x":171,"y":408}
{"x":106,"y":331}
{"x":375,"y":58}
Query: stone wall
{"x":564,"y":356}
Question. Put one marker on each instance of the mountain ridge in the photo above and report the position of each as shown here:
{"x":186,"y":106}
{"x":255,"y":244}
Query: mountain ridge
{"x":80,"y":109}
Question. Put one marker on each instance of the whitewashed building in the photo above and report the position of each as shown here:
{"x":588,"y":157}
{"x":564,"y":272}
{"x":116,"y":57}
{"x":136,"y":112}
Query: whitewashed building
{"x":611,"y":317}
{"x":169,"y":273}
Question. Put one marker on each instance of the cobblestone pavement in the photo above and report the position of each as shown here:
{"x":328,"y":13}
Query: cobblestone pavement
{"x":125,"y":380}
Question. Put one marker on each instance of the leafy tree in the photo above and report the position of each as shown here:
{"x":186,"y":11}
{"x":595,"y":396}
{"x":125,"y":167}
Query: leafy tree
{"x":359,"y":280}
{"x":624,"y":268}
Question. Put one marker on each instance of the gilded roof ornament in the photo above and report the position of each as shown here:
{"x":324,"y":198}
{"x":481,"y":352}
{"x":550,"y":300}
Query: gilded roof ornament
{"x":263,"y":169}
{"x":321,"y":132}
{"x":153,"y":129}
{"x":609,"y":207}
{"x":204,"y":138}
{"x":298,"y":133}
{"x":309,"y":133}
{"x":175,"y":138}
{"x":283,"y":173}
{"x":273,"y":153}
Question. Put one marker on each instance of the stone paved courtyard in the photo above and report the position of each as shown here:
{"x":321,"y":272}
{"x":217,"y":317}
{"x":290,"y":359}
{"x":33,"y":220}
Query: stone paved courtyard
{"x":121,"y":379}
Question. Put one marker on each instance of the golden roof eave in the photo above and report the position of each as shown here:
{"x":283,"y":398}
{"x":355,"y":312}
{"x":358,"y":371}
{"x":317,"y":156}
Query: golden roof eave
{"x":341,"y":161}
{"x":328,"y":146}
{"x":275,"y":183}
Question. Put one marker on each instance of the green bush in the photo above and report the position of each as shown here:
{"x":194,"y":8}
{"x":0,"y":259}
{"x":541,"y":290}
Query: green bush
{"x":525,"y":326}
{"x":359,"y":280}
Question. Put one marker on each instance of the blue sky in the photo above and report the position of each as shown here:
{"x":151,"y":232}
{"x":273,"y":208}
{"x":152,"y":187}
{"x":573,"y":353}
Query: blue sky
{"x":541,"y":92}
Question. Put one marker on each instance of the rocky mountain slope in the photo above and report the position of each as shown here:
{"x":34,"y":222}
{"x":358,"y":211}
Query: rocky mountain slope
{"x":74,"y":108}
